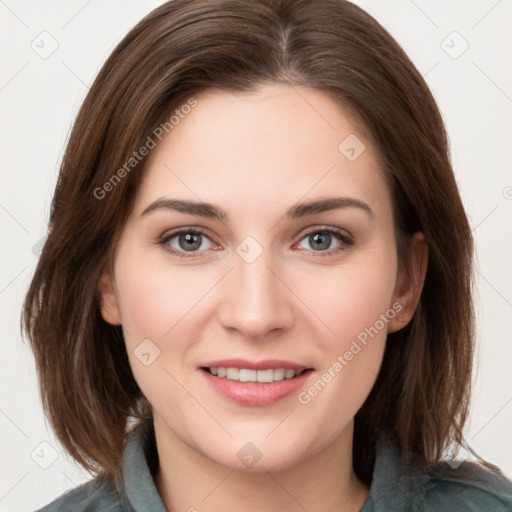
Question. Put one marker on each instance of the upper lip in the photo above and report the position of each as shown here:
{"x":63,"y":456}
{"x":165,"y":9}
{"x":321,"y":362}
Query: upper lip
{"x":266,"y":364}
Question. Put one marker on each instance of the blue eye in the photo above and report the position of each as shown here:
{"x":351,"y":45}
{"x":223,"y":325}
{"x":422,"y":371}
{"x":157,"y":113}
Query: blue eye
{"x":185,"y":241}
{"x":193,"y":242}
{"x":320,"y":241}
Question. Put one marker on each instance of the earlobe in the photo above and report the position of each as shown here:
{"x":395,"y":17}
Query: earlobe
{"x":108,"y":302}
{"x":410,"y":284}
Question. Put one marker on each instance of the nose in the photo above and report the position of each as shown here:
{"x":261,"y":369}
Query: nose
{"x":256,"y":300}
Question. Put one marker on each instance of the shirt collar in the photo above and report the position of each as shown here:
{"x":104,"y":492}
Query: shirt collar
{"x":395,"y":486}
{"x":139,"y":486}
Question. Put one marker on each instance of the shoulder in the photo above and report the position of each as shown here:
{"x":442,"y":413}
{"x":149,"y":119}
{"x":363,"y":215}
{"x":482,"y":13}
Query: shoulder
{"x":406,"y":487}
{"x":93,"y":496}
{"x":469,"y":487}
{"x":133,"y":488}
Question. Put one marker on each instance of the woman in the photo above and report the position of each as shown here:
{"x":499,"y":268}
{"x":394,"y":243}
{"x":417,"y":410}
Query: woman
{"x":256,"y":288}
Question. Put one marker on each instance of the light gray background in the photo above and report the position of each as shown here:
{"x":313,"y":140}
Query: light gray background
{"x":39,"y":98}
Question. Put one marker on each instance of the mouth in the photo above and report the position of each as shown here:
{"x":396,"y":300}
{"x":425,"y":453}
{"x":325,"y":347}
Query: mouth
{"x":255,"y":383}
{"x":268,"y":375}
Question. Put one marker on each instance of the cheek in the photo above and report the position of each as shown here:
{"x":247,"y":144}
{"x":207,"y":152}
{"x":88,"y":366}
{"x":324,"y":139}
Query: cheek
{"x":351,"y":297}
{"x":155,"y":297}
{"x":156,"y":302}
{"x":355,"y":302}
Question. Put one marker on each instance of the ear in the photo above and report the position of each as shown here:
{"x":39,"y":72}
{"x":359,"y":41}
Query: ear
{"x":108,"y":302}
{"x":409,"y":284}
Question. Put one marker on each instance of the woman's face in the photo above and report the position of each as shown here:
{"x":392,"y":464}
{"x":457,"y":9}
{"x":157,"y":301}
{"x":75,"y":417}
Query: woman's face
{"x":259,"y":279}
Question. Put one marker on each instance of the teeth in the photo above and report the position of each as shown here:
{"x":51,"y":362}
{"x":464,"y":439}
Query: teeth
{"x":279,"y":374}
{"x":232,"y":373}
{"x":263,"y":375}
{"x":289,"y":374}
{"x":246,"y":375}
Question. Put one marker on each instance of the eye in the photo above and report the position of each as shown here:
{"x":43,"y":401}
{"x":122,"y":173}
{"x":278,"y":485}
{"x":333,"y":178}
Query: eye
{"x":321,"y":240}
{"x":186,"y":242}
{"x":193,"y":242}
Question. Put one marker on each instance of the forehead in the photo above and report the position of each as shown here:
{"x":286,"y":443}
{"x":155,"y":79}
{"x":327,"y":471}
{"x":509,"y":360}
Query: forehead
{"x":272,"y":146}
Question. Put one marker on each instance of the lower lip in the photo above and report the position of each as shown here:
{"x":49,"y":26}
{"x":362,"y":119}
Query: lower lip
{"x":256,"y":394}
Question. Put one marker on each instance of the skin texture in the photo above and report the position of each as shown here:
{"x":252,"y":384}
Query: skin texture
{"x":256,"y":155}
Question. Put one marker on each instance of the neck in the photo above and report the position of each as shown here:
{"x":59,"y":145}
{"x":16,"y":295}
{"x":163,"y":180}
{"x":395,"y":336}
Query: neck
{"x":188,"y":480}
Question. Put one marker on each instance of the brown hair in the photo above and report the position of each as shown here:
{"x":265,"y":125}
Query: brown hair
{"x":179,"y":50}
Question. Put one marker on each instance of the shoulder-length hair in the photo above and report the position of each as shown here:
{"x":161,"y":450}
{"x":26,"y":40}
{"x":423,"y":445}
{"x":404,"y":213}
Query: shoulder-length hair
{"x":179,"y":50}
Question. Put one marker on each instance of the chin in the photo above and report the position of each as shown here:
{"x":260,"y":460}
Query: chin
{"x":259,"y":455}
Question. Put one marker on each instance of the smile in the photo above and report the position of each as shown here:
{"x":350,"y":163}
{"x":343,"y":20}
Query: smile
{"x":255,"y":383}
{"x":248,"y":375}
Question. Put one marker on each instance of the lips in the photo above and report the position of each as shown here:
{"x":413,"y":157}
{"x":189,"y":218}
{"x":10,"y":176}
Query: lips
{"x":248,"y":375}
{"x":254,"y":365}
{"x":255,"y":383}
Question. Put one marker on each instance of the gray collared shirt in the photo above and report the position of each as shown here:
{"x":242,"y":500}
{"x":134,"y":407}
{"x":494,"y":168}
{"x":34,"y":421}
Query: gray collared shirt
{"x":394,"y":487}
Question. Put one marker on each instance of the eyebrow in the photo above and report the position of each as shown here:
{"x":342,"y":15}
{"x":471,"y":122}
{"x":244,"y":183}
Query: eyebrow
{"x":212,"y":211}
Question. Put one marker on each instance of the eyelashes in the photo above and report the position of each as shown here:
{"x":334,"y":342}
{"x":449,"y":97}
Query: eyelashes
{"x":193,"y":234}
{"x":311,"y":237}
{"x":193,"y":237}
